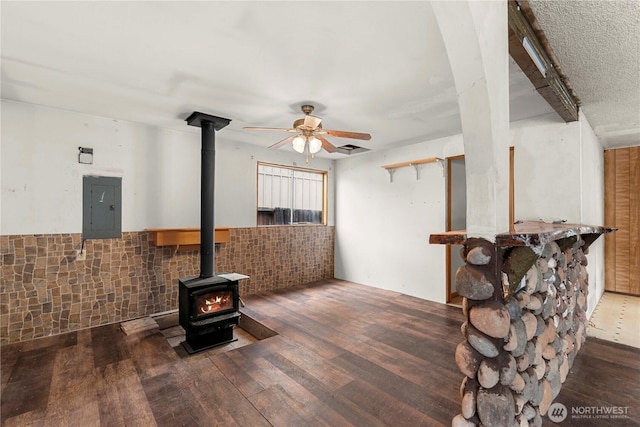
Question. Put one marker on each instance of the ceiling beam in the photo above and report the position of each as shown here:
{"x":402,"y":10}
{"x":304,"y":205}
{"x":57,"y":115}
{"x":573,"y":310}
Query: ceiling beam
{"x":532,"y":52}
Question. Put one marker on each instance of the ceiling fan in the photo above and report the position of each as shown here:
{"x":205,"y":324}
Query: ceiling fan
{"x":309,"y":134}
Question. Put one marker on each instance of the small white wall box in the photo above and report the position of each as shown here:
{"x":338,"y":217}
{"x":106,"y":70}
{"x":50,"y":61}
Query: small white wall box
{"x":85,"y":155}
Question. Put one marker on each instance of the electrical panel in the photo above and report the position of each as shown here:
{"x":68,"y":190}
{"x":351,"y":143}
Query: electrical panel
{"x":101,"y":207}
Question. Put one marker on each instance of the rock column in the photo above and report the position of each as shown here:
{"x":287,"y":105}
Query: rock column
{"x":525,"y":312}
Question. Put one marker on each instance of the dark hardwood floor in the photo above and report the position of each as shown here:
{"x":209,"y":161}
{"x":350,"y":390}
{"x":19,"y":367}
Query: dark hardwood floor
{"x":346,"y":354}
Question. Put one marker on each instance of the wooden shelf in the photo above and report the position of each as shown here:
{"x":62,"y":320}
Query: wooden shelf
{"x":184,"y":239}
{"x":414,"y":163}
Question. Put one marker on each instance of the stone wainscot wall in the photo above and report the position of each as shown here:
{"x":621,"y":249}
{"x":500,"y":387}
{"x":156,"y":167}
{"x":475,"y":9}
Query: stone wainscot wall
{"x":46,"y":291}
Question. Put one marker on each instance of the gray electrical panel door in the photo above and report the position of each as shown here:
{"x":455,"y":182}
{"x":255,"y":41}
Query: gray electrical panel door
{"x":101,"y":207}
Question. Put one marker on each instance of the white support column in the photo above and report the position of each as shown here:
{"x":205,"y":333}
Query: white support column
{"x":475,"y":37}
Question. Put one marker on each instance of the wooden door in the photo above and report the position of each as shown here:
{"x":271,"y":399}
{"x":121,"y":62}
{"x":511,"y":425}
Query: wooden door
{"x":622,"y":210}
{"x":456,"y":218}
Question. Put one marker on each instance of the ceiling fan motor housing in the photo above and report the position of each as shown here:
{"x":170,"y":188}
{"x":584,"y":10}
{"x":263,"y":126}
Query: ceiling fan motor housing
{"x":299,"y":125}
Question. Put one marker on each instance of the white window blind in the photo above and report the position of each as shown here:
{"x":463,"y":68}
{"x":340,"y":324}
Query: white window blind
{"x":290,"y":195}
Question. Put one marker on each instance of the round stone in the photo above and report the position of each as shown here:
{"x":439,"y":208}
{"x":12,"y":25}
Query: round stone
{"x":535,"y":303}
{"x":515,"y":311}
{"x":467,"y":359}
{"x":518,"y":383}
{"x":463,"y":385}
{"x":540,"y":370}
{"x":536,"y":390}
{"x":508,"y":369}
{"x":530,"y":323}
{"x":463,"y":328}
{"x":468,"y":405}
{"x":547,"y":252}
{"x":548,"y":307}
{"x":511,"y":342}
{"x":536,"y":421}
{"x":556,"y":385}
{"x":532,"y":280}
{"x":526,"y":392}
{"x":496,"y":407}
{"x":519,"y":336}
{"x":564,"y":369}
{"x":491,"y":318}
{"x":541,"y":265}
{"x":472,"y":284}
{"x":528,"y":411}
{"x":547,"y":397}
{"x":548,"y":352}
{"x":460,"y":421}
{"x":521,"y":421}
{"x":485,"y":345}
{"x":523,"y":299}
{"x":523,"y":362}
{"x":541,"y":326}
{"x":479,"y":256}
{"x":488,"y":373}
{"x":520,"y":402}
{"x":538,"y":348}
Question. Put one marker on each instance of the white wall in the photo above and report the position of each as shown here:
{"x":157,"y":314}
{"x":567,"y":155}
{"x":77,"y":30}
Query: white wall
{"x":559,"y":174}
{"x":547,"y":169}
{"x":592,"y":207}
{"x":383,"y":228}
{"x":160,"y":169}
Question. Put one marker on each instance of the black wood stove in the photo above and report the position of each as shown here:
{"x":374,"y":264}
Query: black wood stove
{"x":208,"y":311}
{"x":208,"y":304}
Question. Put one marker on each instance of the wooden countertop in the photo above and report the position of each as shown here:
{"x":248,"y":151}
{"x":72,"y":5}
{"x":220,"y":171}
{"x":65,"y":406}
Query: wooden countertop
{"x":528,"y":233}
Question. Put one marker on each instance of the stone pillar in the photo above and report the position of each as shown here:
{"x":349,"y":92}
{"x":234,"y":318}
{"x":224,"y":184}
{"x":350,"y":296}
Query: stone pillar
{"x":525,"y":311}
{"x":475,"y":37}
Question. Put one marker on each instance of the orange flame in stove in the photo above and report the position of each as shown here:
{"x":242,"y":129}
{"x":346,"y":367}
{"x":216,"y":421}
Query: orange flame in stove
{"x":214,"y":303}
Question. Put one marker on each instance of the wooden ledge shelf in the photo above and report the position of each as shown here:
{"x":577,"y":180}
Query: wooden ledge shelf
{"x":414,"y":163}
{"x":453,"y":237}
{"x":184,"y":239}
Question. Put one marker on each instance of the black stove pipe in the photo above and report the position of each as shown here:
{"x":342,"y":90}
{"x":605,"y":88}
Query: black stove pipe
{"x":207,"y":186}
{"x":209,"y":124}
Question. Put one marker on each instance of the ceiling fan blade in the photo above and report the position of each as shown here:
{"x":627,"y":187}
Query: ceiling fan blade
{"x":326,"y":145}
{"x":312,"y":122}
{"x":283,"y":142}
{"x":273,"y":129}
{"x":345,"y":134}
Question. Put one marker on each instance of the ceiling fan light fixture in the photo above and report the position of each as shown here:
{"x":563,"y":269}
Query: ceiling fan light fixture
{"x":298,"y":143}
{"x":304,"y":139}
{"x":315,"y":145}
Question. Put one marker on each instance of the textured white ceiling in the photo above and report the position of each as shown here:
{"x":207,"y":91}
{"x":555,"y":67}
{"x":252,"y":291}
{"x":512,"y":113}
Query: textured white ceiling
{"x":377,"y":67}
{"x":598,"y":46}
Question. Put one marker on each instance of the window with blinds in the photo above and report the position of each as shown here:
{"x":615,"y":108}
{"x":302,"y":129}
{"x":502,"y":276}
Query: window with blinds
{"x":290,"y":195}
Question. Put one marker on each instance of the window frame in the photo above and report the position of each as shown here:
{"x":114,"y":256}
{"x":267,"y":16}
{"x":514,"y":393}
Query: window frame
{"x":325,"y":187}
